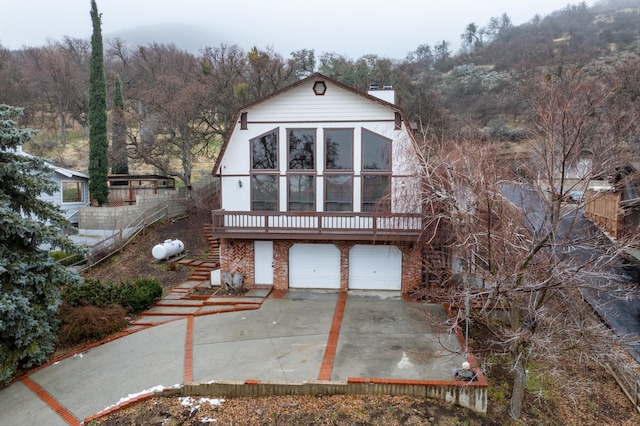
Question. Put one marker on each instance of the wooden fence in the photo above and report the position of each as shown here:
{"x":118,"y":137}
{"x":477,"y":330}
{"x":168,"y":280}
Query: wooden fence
{"x":625,"y":376}
{"x":603,"y":208}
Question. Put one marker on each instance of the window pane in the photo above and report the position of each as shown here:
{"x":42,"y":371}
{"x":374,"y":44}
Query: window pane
{"x":264,"y":193}
{"x":338,"y":148}
{"x":376,"y":152}
{"x":375,"y":193}
{"x":72,"y":192}
{"x":302,"y":149}
{"x":339,"y":193}
{"x":302,"y":193}
{"x":264,"y":151}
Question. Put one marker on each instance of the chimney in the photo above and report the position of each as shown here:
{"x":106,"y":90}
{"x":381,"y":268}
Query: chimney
{"x":387,"y":93}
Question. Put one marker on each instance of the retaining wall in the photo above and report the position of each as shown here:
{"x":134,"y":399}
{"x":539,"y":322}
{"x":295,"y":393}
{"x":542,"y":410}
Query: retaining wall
{"x":471,"y":395}
{"x":122,"y":216}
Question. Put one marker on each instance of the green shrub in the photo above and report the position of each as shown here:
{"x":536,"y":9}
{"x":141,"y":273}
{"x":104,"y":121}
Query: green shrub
{"x":65,"y":258}
{"x":137,"y":295}
{"x":57,"y":255}
{"x":140,"y":294}
{"x":92,"y":292}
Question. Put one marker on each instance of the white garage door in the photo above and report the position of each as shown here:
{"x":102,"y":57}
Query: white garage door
{"x":375,"y":268}
{"x":314,"y":266}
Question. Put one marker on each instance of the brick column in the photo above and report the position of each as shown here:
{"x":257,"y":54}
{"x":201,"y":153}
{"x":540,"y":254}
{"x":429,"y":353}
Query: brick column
{"x":281,"y":264}
{"x":344,"y":264}
{"x":411,"y":267}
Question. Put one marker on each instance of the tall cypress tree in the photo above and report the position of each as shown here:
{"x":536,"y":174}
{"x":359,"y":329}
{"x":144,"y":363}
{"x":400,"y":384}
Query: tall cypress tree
{"x":98,"y":141}
{"x":118,"y":137}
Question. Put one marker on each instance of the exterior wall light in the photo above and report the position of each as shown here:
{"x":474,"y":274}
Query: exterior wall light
{"x":319,"y":88}
{"x":240,"y":183}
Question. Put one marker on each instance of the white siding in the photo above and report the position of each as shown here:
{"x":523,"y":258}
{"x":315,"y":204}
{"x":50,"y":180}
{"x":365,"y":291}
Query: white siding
{"x":301,"y":103}
{"x":234,"y":197}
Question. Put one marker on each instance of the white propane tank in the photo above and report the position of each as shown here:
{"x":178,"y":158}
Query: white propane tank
{"x":167,"y":249}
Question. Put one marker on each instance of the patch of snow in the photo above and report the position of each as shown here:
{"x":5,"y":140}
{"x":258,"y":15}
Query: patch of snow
{"x":129,"y":397}
{"x":188,"y":401}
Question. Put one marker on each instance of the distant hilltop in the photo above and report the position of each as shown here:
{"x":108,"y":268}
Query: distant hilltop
{"x":186,"y":37}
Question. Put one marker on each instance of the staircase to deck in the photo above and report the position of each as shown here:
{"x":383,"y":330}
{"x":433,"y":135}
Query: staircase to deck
{"x":197,"y":296}
{"x":203,"y":268}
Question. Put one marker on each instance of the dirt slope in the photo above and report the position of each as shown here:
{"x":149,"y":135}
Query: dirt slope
{"x":136,"y":260}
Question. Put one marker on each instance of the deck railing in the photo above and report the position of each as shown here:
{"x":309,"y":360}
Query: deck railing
{"x":317,"y":223}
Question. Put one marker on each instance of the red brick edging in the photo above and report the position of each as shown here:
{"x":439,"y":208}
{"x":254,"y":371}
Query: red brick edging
{"x":188,"y":352}
{"x":66,"y":415}
{"x":332,"y":342}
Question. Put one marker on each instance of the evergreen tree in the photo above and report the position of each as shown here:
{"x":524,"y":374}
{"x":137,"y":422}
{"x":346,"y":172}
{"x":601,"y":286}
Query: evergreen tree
{"x":118,"y":138}
{"x":98,"y":141}
{"x":29,"y":276}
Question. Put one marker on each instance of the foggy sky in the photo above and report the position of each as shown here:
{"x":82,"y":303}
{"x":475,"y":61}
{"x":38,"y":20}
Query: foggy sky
{"x":349,"y":27}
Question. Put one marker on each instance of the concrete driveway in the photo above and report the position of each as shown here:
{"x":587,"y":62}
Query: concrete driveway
{"x":292,"y":336}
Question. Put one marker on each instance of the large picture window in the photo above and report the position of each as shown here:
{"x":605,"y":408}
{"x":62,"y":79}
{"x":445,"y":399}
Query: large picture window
{"x":376,"y":193}
{"x":264,"y":151}
{"x":376,"y":172}
{"x":302,"y":149}
{"x":338,"y":167}
{"x":338,"y":149}
{"x":72,"y":192}
{"x":264,"y":192}
{"x":302,"y":193}
{"x":376,"y":151}
{"x":338,"y":193}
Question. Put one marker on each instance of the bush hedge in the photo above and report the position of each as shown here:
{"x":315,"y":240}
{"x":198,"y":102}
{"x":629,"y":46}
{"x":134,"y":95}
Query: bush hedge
{"x":95,"y":310}
{"x":136,"y":295}
{"x":140,"y":294}
{"x":65,"y":258}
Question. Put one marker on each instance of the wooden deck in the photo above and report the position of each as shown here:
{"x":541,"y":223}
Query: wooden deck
{"x":317,"y":225}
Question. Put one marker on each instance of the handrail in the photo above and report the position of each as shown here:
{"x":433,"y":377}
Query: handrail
{"x":317,"y":222}
{"x":104,"y":249}
{"x":75,"y":212}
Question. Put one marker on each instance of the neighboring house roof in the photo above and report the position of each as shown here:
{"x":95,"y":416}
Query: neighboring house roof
{"x":315,"y":76}
{"x":69,"y":173}
{"x":60,"y":170}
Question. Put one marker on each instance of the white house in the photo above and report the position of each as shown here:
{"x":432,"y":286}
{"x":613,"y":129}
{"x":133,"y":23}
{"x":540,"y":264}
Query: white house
{"x":72,"y":192}
{"x":320,"y":188}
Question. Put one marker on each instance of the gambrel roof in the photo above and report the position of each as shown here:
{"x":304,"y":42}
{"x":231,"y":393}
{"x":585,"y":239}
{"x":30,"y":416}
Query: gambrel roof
{"x":314,"y":77}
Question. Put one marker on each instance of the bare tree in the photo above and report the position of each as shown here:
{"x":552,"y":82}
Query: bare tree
{"x":224,"y":76}
{"x":58,"y":73}
{"x":518,"y":249}
{"x":171,"y":103}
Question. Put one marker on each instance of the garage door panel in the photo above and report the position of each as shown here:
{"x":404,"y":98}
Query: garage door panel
{"x":375,"y":267}
{"x":314,"y":266}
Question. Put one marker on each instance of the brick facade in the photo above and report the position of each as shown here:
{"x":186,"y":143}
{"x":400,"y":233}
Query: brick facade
{"x":238,"y":256}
